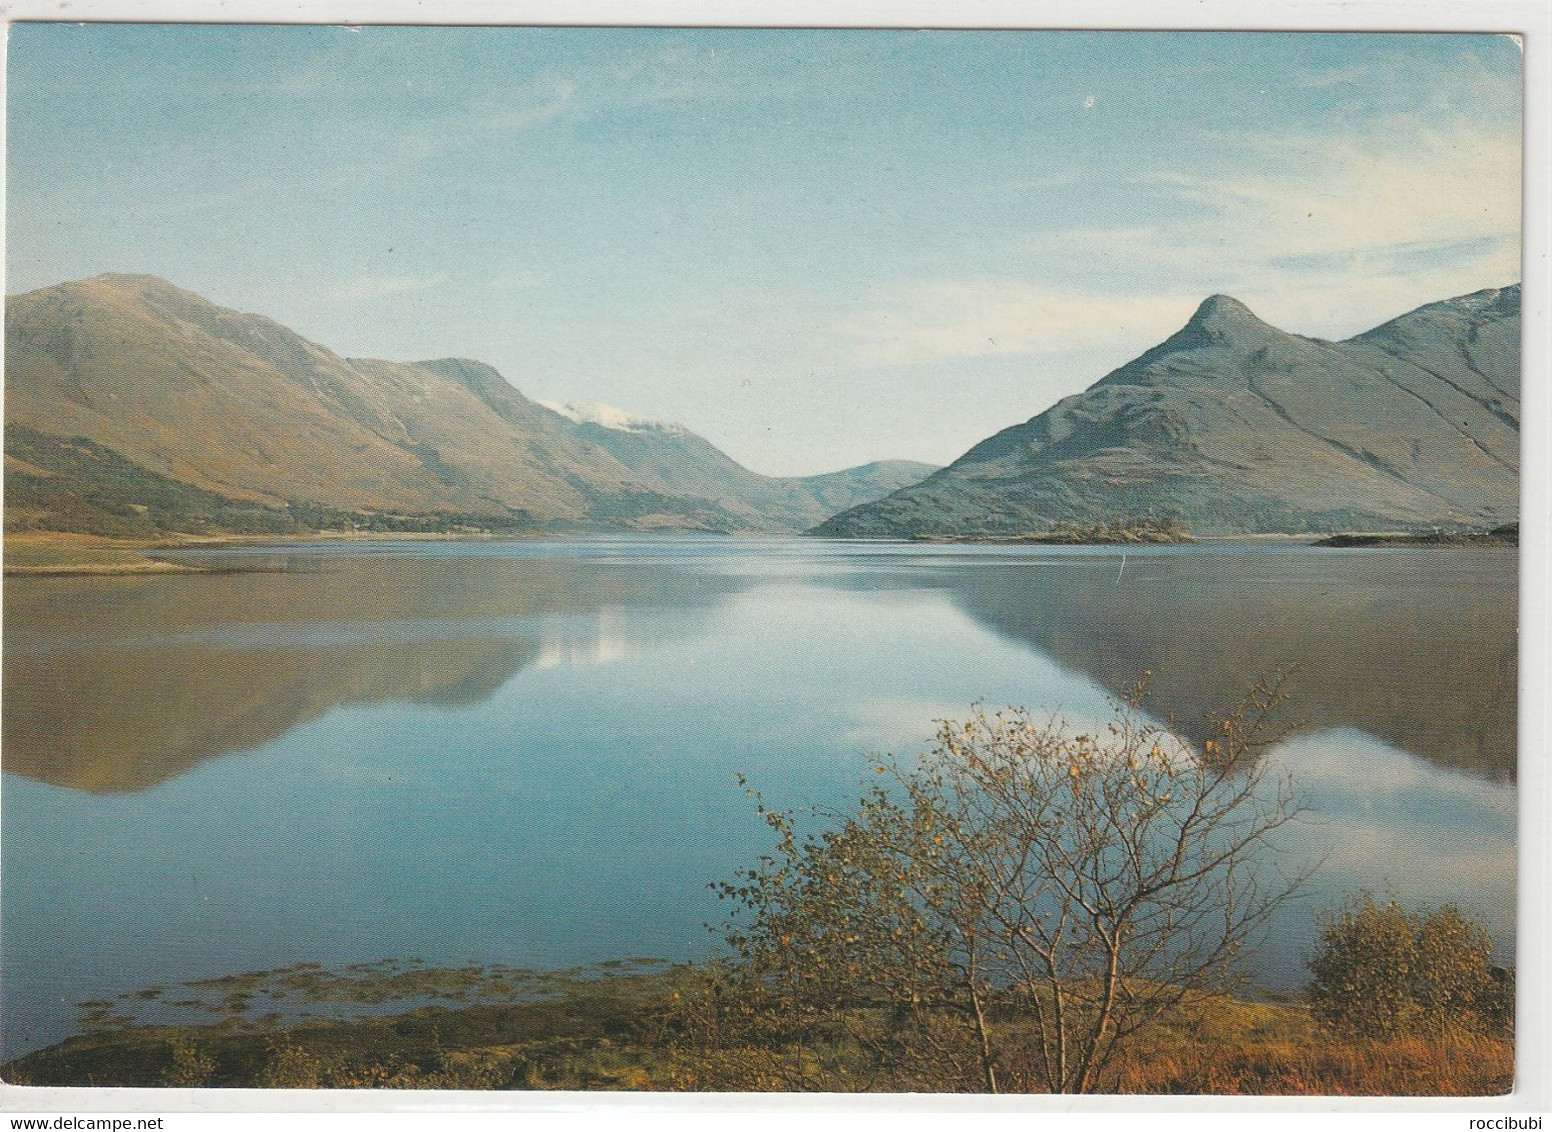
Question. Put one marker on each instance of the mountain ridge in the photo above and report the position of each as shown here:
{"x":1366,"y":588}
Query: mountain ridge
{"x":1235,"y":426}
{"x":189,"y":404}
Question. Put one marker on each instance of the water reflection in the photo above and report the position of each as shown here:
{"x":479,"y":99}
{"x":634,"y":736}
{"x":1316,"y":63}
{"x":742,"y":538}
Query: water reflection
{"x":1383,"y":822}
{"x":1415,"y":648}
{"x":540,"y":764}
{"x":120,"y":685}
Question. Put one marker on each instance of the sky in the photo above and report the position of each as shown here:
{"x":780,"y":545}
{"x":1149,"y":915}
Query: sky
{"x":815,"y":248}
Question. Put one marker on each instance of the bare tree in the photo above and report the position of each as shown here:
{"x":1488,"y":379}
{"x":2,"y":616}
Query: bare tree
{"x":1014,"y":908}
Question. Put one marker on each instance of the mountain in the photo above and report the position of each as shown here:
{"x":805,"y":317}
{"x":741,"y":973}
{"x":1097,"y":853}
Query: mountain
{"x":682,"y":463}
{"x":852,"y":487}
{"x":1234,"y":426}
{"x":133,"y":406}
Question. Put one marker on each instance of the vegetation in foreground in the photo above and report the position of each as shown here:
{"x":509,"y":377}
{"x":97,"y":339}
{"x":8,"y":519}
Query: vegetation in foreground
{"x":1024,"y":909}
{"x":1090,"y":882}
{"x":676,"y":1030}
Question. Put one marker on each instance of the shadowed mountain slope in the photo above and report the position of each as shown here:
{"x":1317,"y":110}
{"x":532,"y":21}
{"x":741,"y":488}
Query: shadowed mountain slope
{"x":127,"y":397}
{"x":1235,"y":426}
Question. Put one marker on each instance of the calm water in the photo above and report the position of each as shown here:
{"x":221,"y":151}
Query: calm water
{"x":527,"y":753}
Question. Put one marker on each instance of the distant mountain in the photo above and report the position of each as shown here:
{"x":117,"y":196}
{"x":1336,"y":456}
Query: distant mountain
{"x":1234,"y":426}
{"x":133,"y":406}
{"x":682,"y":463}
{"x":851,"y":487}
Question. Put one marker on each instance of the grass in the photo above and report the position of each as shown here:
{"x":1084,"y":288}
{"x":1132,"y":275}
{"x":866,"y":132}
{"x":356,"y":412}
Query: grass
{"x":66,"y":554}
{"x":39,"y":553}
{"x":644,"y":1030}
{"x":1465,"y":1065}
{"x":1253,"y":1049}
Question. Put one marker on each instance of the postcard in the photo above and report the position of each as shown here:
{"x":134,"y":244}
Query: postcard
{"x":762,"y":560}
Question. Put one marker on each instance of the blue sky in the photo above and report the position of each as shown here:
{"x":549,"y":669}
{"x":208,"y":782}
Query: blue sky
{"x":814,"y":247}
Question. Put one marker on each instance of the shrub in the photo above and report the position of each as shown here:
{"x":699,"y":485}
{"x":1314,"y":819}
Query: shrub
{"x":1084,"y":883}
{"x":1384,"y":972}
{"x":189,"y":1066}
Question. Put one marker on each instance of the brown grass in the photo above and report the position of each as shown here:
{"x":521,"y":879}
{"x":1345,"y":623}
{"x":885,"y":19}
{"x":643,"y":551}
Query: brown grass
{"x":47,"y":553}
{"x":1465,"y":1066}
{"x":60,"y":553}
{"x":606,"y":1034}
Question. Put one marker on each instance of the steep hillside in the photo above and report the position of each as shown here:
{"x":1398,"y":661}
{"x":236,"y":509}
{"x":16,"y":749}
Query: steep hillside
{"x":133,"y":406}
{"x":1235,"y":426}
{"x":238,"y":405}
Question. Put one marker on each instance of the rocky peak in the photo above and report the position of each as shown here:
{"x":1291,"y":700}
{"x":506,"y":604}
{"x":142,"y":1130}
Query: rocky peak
{"x":1502,"y":301}
{"x":1220,"y":322}
{"x":1221,"y":318}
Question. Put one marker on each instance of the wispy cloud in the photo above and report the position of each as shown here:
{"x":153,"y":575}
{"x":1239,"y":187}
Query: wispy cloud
{"x":368,"y":287}
{"x":676,"y":72}
{"x":970,"y":318}
{"x":1385,"y":189}
{"x":1321,"y":234}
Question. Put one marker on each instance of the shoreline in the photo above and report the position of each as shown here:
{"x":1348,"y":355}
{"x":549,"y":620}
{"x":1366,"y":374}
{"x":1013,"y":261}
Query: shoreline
{"x":58,"y":554}
{"x":638,"y":1025}
{"x":1500,"y":537}
{"x":1052,"y":540}
{"x":49,"y":554}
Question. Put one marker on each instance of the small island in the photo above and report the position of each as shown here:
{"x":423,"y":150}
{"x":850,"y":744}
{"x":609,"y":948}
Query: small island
{"x":1506,"y":535}
{"x":1123,"y":532}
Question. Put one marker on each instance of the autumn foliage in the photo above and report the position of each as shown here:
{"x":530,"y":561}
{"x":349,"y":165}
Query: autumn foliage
{"x":1084,"y":883}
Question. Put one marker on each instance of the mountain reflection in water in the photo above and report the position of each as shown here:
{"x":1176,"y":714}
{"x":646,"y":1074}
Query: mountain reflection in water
{"x":1413,"y":649}
{"x":529,"y":752}
{"x":116,"y":685}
